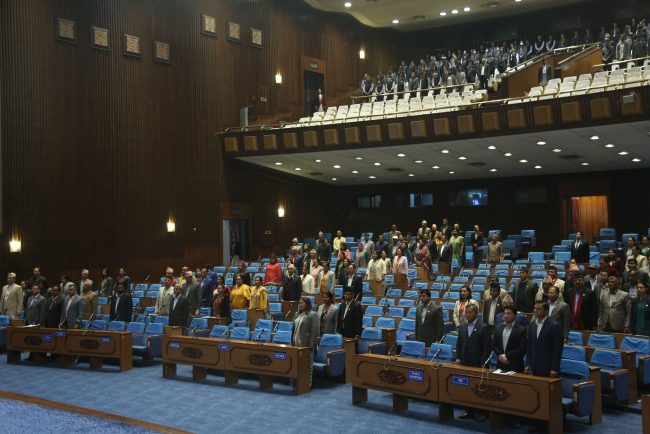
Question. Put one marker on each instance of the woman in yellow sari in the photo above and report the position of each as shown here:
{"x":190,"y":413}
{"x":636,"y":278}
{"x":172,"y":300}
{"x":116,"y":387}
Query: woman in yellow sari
{"x":259,"y":296}
{"x":240,"y":295}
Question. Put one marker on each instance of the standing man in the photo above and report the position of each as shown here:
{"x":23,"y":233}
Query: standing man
{"x":580,"y":249}
{"x":555,"y":280}
{"x":85,"y":275}
{"x":495,"y":250}
{"x":165,"y":295}
{"x":336,"y":244}
{"x":73,"y":309}
{"x":493,"y":305}
{"x":292,"y":285}
{"x":350,"y":316}
{"x":53,"y":308}
{"x":525,"y":292}
{"x":510,"y":342}
{"x":443,"y":255}
{"x":559,"y":311}
{"x":179,"y":314}
{"x":545,"y":344}
{"x":38,"y":279}
{"x":90,"y":300}
{"x":615,"y":307}
{"x":477,"y":245}
{"x":323,"y":248}
{"x":35,"y":314}
{"x":473,"y":347}
{"x":353,"y":283}
{"x":121,"y":305}
{"x":192,"y":292}
{"x":583,"y":304}
{"x":424,"y":230}
{"x":11,"y":299}
{"x":429,"y":325}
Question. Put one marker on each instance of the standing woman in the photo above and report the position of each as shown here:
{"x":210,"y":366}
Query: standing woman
{"x":363,"y":256}
{"x":400,"y":270}
{"x":640,"y":312}
{"x":341,"y":270}
{"x":273,"y":273}
{"x":107,"y":283}
{"x":306,"y":326}
{"x":327,"y":280}
{"x":460,"y":306}
{"x":328,"y":314}
{"x":259,"y":296}
{"x":376,"y":274}
{"x":240,"y":296}
{"x":457,"y":243}
{"x":423,"y":257}
{"x":221,"y":297}
{"x":316,"y":272}
{"x":388,"y":264}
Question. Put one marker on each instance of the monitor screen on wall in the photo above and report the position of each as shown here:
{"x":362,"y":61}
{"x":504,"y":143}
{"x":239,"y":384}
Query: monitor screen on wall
{"x":473,"y":197}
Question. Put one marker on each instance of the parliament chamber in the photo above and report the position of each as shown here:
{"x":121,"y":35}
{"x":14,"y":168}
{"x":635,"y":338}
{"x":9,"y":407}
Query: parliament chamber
{"x":324,"y":215}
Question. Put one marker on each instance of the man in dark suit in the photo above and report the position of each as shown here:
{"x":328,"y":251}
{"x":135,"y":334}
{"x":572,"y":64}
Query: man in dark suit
{"x":442,"y":254}
{"x":473,"y":347}
{"x":53,"y":308}
{"x":580,"y":249}
{"x":192,"y":292}
{"x":510,"y":342}
{"x":353,"y":282}
{"x":493,"y":306}
{"x":350,"y":316}
{"x":121,"y":305}
{"x":583,"y":304}
{"x":73,"y":308}
{"x":291,"y":284}
{"x":179,"y":309}
{"x":35,"y":313}
{"x":429,"y":326}
{"x":545,"y":344}
{"x":525,"y":292}
{"x":477,"y":245}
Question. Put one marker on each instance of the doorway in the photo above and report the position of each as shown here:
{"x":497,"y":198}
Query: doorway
{"x":588,"y":214}
{"x":312,"y":82}
{"x":235,"y":240}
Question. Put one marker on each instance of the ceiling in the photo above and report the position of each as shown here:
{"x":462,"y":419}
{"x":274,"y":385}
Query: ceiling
{"x":576,"y":145}
{"x":425,"y":14}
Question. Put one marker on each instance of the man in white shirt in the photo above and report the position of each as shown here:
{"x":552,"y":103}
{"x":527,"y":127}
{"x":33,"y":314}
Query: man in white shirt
{"x":11,"y":299}
{"x":165,"y":295}
{"x":308,"y":283}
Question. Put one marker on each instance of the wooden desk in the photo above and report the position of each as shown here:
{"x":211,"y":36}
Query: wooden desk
{"x":94,"y":344}
{"x":264,"y":359}
{"x":520,"y":395}
{"x":645,"y":413}
{"x":388,"y":336}
{"x":404,"y":378}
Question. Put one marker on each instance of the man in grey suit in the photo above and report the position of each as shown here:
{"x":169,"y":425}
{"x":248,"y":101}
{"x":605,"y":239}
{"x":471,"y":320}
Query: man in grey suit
{"x":429,"y":325}
{"x":192,"y":292}
{"x":73,"y":309}
{"x":558,"y":310}
{"x":35,"y":313}
{"x":615,"y":306}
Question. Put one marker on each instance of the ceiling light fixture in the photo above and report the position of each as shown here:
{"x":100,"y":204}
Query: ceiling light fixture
{"x":347,"y":4}
{"x":584,"y":164}
{"x":467,"y":9}
{"x":435,"y":167}
{"x":418,"y":161}
{"x":454,"y":11}
{"x":541,"y":143}
{"x":355,"y":171}
{"x":594,"y":137}
{"x":372,"y":177}
{"x":298,"y":169}
{"x":609,"y":145}
{"x":445,"y":151}
{"x":622,"y":153}
{"x":401,"y":155}
{"x":377,"y":164}
{"x":362,"y":54}
{"x":410,"y":174}
{"x":492,"y":147}
{"x":538,"y":167}
{"x":395,"y":21}
{"x":493,"y":170}
{"x":333,"y":179}
{"x":443,"y":13}
{"x":359,"y":158}
{"x":317,"y":160}
{"x":508,"y":154}
{"x":557,"y":150}
{"x":636,"y":160}
{"x":451,"y":172}
{"x":523,"y":161}
{"x":277,"y":163}
{"x":336,"y":166}
{"x":462,"y":158}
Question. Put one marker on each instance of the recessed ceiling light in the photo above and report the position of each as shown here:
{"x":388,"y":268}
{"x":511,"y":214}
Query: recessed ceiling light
{"x":443,"y":13}
{"x":355,"y":171}
{"x":557,"y":150}
{"x":454,"y":11}
{"x":318,"y":161}
{"x":636,"y":160}
{"x":541,"y":143}
{"x":594,"y":137}
{"x":435,"y":167}
{"x":584,"y":164}
{"x":410,"y":174}
{"x":277,"y":163}
{"x":523,"y":161}
{"x":396,"y":21}
{"x":377,"y":164}
{"x":336,"y":166}
{"x":538,"y":167}
{"x":347,"y":4}
{"x":358,"y":158}
{"x":517,"y":1}
{"x":467,"y":9}
{"x":445,"y":151}
{"x":401,"y":155}
{"x":493,"y":170}
{"x":622,"y":153}
{"x":609,"y":145}
{"x":508,"y":154}
{"x":372,"y":177}
{"x":297,"y":168}
{"x":462,"y":158}
{"x":492,"y":147}
{"x":418,"y":161}
{"x":451,"y":172}
{"x":333,"y":179}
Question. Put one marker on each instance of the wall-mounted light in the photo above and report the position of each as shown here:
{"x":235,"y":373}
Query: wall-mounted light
{"x":280,"y":211}
{"x":362,"y":54}
{"x":278,"y":78}
{"x":171,"y":226}
{"x":15,"y":246}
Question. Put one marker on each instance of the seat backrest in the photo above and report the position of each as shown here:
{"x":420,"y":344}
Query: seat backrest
{"x":640,"y":346}
{"x":116,"y":326}
{"x":163,"y":320}
{"x":135,"y":327}
{"x":412,"y":350}
{"x":240,"y":333}
{"x":154,"y":328}
{"x":285,"y":326}
{"x":450,"y":340}
{"x":275,"y":307}
{"x":369,"y":335}
{"x":572,"y":372}
{"x":407,"y":325}
{"x":98,"y":325}
{"x":218,"y":331}
{"x":601,"y":341}
{"x":385,"y":323}
{"x":411,"y":312}
{"x":396,"y":312}
{"x":374,"y":310}
{"x":199,"y":323}
{"x":446,"y":352}
{"x":282,"y":337}
{"x":264,"y":324}
{"x":575,"y":338}
{"x":5,"y":320}
{"x":239,"y":315}
{"x":606,"y":359}
{"x":328,"y":342}
{"x":574,"y":353}
{"x":410,"y":293}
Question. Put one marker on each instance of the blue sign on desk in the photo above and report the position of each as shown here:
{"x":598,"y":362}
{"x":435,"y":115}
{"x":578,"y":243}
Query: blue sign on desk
{"x":174,"y":346}
{"x":47,"y":337}
{"x":280,"y":356}
{"x":416,"y":375}
{"x":106,"y":340}
{"x":460,"y":380}
{"x":225,"y":347}
{"x":60,"y":333}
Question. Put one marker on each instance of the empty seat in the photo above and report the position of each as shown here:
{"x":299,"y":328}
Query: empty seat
{"x":575,"y":338}
{"x":330,"y":356}
{"x":239,"y":317}
{"x":282,"y":337}
{"x":149,"y":344}
{"x":413,"y":350}
{"x":641,"y":347}
{"x":116,"y":326}
{"x":442,"y":352}
{"x":601,"y":341}
{"x":385,"y":323}
{"x":578,"y":392}
{"x":374,"y":310}
{"x":405,"y":330}
{"x":574,"y":353}
{"x":135,"y":327}
{"x":219,"y":331}
{"x":240,"y":334}
{"x":371,"y":341}
{"x":614,"y":379}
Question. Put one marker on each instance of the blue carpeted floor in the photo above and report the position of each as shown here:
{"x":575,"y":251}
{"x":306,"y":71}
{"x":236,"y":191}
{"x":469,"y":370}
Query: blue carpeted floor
{"x":210,"y":406}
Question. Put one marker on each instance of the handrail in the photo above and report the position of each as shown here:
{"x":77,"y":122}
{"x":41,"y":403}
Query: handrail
{"x":260,"y":126}
{"x":411,"y":91}
{"x":540,"y":56}
{"x":571,"y":57}
{"x":600,"y":65}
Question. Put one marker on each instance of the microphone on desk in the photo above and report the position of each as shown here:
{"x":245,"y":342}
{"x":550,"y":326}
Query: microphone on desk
{"x":435,"y":355}
{"x":227,"y":333}
{"x":488,"y":359}
{"x":193,"y":330}
{"x":62,"y":322}
{"x":90,"y":322}
{"x":442,"y":340}
{"x":275,"y":329}
{"x":259,"y":335}
{"x":146,"y":279}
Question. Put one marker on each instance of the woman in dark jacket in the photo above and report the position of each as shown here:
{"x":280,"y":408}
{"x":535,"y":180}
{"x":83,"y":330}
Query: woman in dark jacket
{"x":640,"y":313}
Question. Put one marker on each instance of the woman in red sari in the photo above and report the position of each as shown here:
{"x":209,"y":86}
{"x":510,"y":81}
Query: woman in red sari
{"x":221,"y":297}
{"x":423,"y":257}
{"x":273,"y":274}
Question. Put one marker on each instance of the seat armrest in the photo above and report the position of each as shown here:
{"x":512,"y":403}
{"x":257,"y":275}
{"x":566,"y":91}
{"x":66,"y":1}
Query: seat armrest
{"x":410,"y":336}
{"x":644,"y":369}
{"x":155,"y":345}
{"x":584,"y":395}
{"x":618,"y":384}
{"x":336,"y":362}
{"x":377,"y":348}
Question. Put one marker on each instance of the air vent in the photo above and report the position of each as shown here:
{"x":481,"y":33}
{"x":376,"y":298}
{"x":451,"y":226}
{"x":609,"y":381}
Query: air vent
{"x":570,"y":157}
{"x":418,"y":18}
{"x":491,"y":5}
{"x":478,"y":164}
{"x":316,"y":173}
{"x":395,"y":169}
